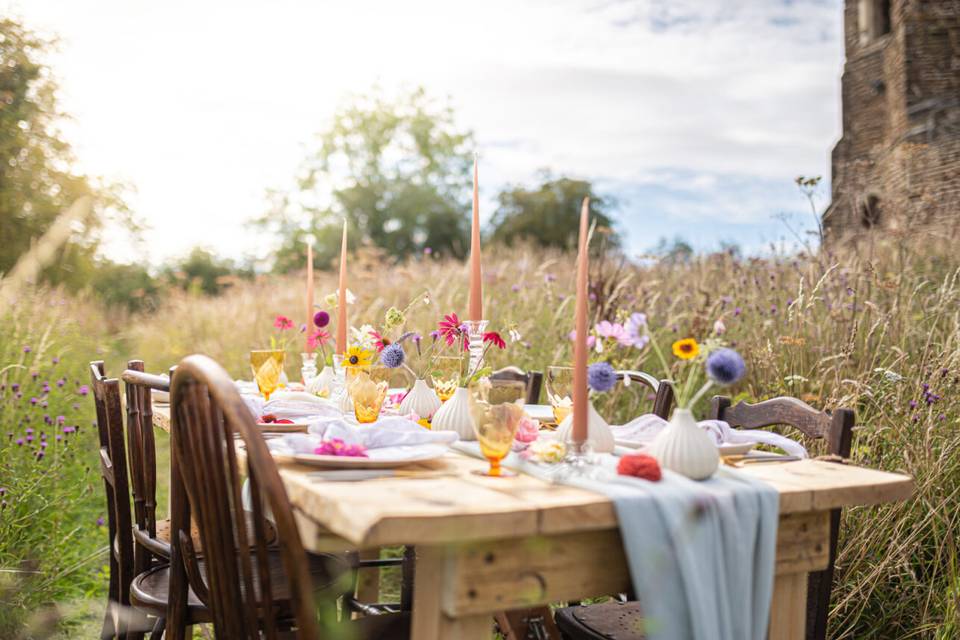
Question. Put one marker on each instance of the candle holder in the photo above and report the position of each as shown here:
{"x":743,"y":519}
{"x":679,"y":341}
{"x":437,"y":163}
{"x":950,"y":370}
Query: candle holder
{"x":580,"y":462}
{"x":338,"y":384}
{"x":476,"y":330}
{"x":308,"y":371}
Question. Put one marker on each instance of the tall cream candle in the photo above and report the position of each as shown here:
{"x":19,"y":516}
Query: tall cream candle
{"x":580,"y":345}
{"x":476,"y":272}
{"x":342,"y":295}
{"x":309,"y":323}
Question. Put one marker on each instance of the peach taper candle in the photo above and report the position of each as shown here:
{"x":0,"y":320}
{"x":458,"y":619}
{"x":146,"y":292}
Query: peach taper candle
{"x":342,"y":295}
{"x":476,"y":272}
{"x":309,"y":322}
{"x":580,"y":345}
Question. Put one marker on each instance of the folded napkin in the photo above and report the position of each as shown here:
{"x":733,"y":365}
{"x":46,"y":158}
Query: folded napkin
{"x":701,"y":554}
{"x":646,"y":427}
{"x":390,"y":436}
{"x":291,"y":405}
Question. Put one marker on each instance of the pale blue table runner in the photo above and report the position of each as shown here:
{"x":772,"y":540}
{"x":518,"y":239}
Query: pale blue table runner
{"x":701,"y":554}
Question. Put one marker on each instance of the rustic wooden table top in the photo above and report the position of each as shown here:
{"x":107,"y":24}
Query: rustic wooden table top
{"x":459,"y":506}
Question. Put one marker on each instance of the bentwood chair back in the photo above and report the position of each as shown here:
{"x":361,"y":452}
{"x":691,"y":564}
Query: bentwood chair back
{"x":663,"y":391}
{"x":142,"y":450}
{"x":252,"y":591}
{"x":533,"y":380}
{"x":113,"y":470}
{"x":836,"y":428}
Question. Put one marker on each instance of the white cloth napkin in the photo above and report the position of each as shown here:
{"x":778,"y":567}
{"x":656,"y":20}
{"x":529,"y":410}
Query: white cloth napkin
{"x":701,"y":554}
{"x":646,"y":427}
{"x":291,"y":405}
{"x":391,"y":437}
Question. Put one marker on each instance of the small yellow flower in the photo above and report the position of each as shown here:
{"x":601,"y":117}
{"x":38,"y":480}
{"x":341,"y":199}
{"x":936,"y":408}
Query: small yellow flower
{"x":686,"y":349}
{"x":357,"y":358}
{"x":423,"y":422}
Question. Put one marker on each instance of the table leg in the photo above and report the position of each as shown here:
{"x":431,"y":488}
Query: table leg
{"x":431,"y":581}
{"x":368,"y":579}
{"x":788,"y":610}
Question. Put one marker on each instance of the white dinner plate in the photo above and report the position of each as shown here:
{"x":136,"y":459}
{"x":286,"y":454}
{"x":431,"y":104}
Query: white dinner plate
{"x":379,"y":459}
{"x":273,"y":427}
{"x":541,"y":412}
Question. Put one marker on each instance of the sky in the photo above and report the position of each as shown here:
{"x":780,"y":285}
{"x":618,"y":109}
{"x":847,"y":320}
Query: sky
{"x":696,"y":115}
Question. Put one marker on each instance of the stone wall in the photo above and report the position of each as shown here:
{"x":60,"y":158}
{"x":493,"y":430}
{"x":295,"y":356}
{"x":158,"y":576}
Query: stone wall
{"x":898,"y":163}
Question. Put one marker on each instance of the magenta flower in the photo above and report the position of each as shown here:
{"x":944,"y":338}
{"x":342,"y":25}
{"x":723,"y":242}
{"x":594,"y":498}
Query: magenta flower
{"x":494,"y":338}
{"x":27,"y":349}
{"x":450,"y":328}
{"x":337,"y":447}
{"x":83,"y":390}
{"x":283,"y":323}
{"x":321,"y":319}
{"x":591,"y":340}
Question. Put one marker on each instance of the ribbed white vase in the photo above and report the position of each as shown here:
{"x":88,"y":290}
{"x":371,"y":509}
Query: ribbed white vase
{"x":454,"y":415}
{"x":685,"y":448}
{"x":421,"y":400}
{"x":599,"y":435}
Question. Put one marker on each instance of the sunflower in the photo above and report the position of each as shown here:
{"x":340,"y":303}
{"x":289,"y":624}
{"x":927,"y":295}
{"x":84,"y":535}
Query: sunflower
{"x":357,"y":358}
{"x":686,"y":349}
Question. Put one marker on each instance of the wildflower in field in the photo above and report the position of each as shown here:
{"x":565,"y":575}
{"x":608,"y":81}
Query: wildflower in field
{"x":494,"y":338}
{"x":686,"y":349}
{"x":591,"y":340}
{"x":719,"y":328}
{"x":83,"y":390}
{"x":601,"y":376}
{"x":55,"y":360}
{"x":100,"y":521}
{"x":427,"y":251}
{"x":635,"y":330}
{"x":515,"y":288}
{"x":514,"y":335}
{"x":283,"y":323}
{"x":27,"y":349}
{"x":19,"y":442}
{"x":737,"y":311}
{"x":393,"y":318}
{"x":548,"y":278}
{"x":612,"y":330}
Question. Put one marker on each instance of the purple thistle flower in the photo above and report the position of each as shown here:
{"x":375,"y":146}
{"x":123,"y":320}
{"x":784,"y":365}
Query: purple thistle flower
{"x":61,"y":419}
{"x":43,"y":444}
{"x":27,"y":349}
{"x":34,"y":400}
{"x":15,"y":386}
{"x":3,"y":491}
{"x":100,"y":521}
{"x":34,"y":374}
{"x":515,"y":288}
{"x":28,"y":431}
{"x":725,"y":366}
{"x":61,"y":382}
{"x":69,"y":429}
{"x":55,"y":360}
{"x":913,"y":404}
{"x":549,"y":278}
{"x":59,"y":437}
{"x":393,"y":356}
{"x":44,"y":404}
{"x":737,"y":311}
{"x":19,"y":442}
{"x":427,"y":251}
{"x":601,"y":376}
{"x":83,"y":390}
{"x":39,"y":456}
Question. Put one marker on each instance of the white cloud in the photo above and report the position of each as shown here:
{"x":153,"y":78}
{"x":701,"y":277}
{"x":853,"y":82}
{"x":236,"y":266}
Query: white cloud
{"x":205,"y":105}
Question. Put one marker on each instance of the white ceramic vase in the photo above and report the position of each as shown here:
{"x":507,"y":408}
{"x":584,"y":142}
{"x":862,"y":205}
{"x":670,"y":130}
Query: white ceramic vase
{"x":322,"y":383}
{"x":685,"y":448}
{"x":599,"y":435}
{"x":421,"y":400}
{"x":454,"y":415}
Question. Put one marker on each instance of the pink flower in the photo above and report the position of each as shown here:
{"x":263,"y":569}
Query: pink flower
{"x":449,"y":328}
{"x":318,"y":339}
{"x":591,"y":340}
{"x":719,"y":327}
{"x":528,"y":430}
{"x":337,"y":447}
{"x":494,"y":338}
{"x":379,"y":342}
{"x":283,"y":323}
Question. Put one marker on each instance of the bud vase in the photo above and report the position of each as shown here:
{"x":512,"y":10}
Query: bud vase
{"x":421,"y":400}
{"x":454,"y":415}
{"x":599,"y":435}
{"x":685,"y":448}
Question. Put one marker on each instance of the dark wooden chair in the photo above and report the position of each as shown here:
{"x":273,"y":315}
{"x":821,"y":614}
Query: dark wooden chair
{"x":664,"y":396}
{"x":124,"y":618}
{"x":836,"y":428}
{"x":253,"y":591}
{"x":533,"y":380}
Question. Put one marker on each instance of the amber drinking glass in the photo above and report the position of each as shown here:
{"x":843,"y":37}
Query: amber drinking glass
{"x":368,"y":390}
{"x":446,"y":376}
{"x":560,"y":391}
{"x":496,"y":410}
{"x":267,"y":366}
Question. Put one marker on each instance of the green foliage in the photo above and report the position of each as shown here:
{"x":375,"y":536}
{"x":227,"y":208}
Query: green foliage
{"x":548,"y":215}
{"x":398,"y":170}
{"x":125,"y":285}
{"x":36,"y":181}
{"x":202,"y":271}
{"x":677,"y":250}
{"x":51,"y":545}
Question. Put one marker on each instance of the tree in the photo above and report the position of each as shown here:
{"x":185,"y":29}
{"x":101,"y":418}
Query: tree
{"x":203,"y":272}
{"x":675,"y":251}
{"x":36,"y":180}
{"x":548,"y":215}
{"x":398,"y":170}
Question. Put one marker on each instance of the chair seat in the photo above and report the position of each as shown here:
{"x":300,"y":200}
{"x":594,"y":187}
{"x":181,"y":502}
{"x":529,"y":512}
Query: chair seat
{"x":149,"y":590}
{"x":160,"y":545}
{"x":391,"y":626}
{"x":606,"y":621}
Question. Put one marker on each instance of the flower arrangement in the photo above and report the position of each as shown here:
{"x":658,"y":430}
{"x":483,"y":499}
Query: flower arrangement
{"x":280,"y":339}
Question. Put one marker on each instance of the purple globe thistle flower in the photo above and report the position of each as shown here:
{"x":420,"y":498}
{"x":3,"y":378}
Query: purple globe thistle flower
{"x":393,"y":356}
{"x":725,"y":366}
{"x":321,"y":319}
{"x":601,"y":376}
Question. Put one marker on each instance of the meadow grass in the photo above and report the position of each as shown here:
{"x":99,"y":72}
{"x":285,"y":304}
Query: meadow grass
{"x":876,"y":331}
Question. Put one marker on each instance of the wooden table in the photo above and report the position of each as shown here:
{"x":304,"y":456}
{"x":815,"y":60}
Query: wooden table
{"x":486,"y":545}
